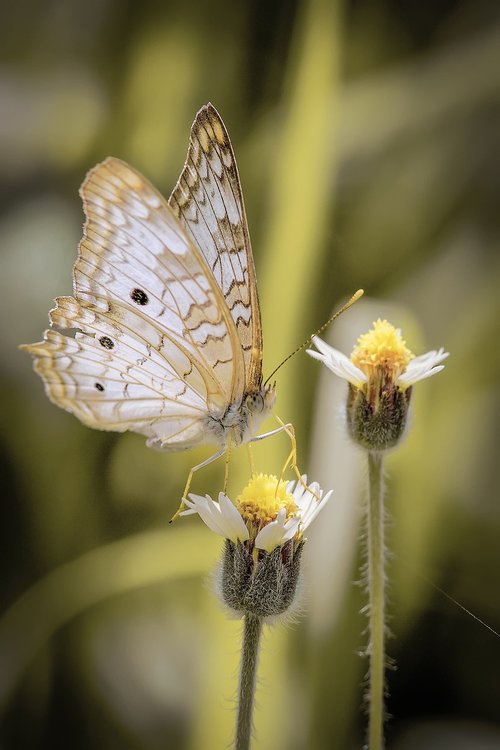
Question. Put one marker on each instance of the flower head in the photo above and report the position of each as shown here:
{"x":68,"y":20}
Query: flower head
{"x":268,"y":512}
{"x":264,"y":531}
{"x":382,"y":348}
{"x":380,"y":373}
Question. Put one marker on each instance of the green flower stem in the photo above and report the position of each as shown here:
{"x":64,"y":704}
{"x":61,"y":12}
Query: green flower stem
{"x":376,"y":593}
{"x":252,"y":630}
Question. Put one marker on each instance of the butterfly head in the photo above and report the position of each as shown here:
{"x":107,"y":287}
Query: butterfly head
{"x":256,"y":406}
{"x":262,"y":401}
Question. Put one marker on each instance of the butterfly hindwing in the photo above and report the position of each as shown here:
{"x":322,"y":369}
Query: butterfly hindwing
{"x":111,"y":377}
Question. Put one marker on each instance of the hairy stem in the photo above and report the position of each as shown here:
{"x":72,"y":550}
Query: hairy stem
{"x":252,"y":630}
{"x":376,"y":593}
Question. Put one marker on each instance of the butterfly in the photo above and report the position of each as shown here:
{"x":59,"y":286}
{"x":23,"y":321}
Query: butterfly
{"x":162,"y":335}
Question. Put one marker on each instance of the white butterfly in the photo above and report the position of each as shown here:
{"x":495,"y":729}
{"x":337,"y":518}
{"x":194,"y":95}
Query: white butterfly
{"x":163,"y":334}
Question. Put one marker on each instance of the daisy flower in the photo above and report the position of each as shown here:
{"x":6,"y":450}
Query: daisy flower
{"x":380,"y":372}
{"x":267,"y":514}
{"x":264,"y":531}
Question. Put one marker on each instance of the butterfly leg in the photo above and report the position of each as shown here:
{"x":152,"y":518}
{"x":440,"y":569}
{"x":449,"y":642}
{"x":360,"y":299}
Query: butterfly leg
{"x":190,"y":479}
{"x":268,"y":434}
{"x":228,"y":458}
{"x":292,"y":457}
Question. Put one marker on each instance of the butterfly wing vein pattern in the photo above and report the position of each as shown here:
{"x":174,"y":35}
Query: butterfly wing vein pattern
{"x":162,"y":336}
{"x":209,"y":202}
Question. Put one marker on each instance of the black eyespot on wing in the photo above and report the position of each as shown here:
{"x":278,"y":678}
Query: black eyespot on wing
{"x":106,"y":342}
{"x":99,"y":386}
{"x":139,"y":297}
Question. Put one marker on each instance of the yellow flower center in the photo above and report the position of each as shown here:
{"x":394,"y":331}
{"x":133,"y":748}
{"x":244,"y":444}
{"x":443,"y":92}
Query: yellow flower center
{"x":382,"y":348}
{"x":262,"y":499}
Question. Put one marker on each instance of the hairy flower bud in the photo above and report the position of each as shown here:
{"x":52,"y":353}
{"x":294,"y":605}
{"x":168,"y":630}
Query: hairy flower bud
{"x":376,"y":419}
{"x":259,"y":582}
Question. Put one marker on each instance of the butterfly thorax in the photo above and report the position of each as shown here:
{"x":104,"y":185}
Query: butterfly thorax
{"x":241,"y":420}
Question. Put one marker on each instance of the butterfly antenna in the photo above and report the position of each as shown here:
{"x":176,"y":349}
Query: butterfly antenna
{"x":335,"y":315}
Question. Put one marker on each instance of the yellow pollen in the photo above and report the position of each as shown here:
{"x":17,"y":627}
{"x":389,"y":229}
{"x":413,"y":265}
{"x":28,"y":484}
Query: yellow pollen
{"x":382,"y":348}
{"x":263,"y":497}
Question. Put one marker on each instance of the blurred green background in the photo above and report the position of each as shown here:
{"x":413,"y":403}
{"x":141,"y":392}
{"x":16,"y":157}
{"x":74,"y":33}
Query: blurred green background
{"x":367,"y":138}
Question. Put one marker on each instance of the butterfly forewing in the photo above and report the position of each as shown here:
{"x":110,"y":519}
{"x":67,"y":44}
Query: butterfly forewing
{"x":135,"y":253}
{"x":209,"y":202}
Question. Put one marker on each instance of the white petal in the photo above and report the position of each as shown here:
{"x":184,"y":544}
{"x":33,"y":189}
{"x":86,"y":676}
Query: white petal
{"x":313,"y":510}
{"x":322,"y":346}
{"x":188,"y":512}
{"x":309,"y":501}
{"x":234,"y":519}
{"x":421,"y":376}
{"x":337,"y":362}
{"x":437,"y":356}
{"x":290,"y":529}
{"x":297,"y":489}
{"x":273,"y":534}
{"x":422,"y":367}
{"x":192,"y":505}
{"x":211,"y":514}
{"x":304,"y":495}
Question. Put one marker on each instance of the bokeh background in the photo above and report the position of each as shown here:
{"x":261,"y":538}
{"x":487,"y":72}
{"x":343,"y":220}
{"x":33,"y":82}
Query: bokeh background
{"x":367,"y":137}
